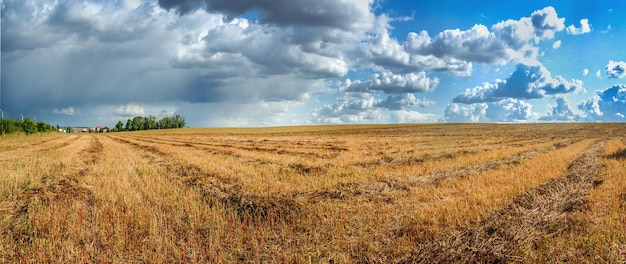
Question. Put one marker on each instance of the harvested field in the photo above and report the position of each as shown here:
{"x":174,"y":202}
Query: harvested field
{"x":339,"y":194}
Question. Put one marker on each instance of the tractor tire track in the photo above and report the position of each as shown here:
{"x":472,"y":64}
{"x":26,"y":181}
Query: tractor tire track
{"x":540,"y":212}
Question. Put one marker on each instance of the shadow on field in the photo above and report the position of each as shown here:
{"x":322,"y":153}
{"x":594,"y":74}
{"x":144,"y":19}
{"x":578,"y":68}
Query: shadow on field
{"x":618,"y":155}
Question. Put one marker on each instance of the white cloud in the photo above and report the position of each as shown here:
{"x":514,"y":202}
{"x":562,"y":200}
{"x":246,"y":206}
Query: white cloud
{"x":585,"y":72}
{"x":526,"y":82}
{"x":360,"y":107}
{"x":508,"y":110}
{"x":599,"y":74}
{"x":390,"y":83}
{"x":616,"y":69}
{"x":402,"y":101}
{"x":559,"y":112}
{"x":386,"y":52}
{"x":607,"y":105}
{"x":556,"y":44}
{"x":351,"y":108}
{"x":466,"y":113}
{"x":130,"y":110}
{"x":584,"y":28}
{"x":455,"y":50}
{"x":406,"y":116}
{"x":64,"y":111}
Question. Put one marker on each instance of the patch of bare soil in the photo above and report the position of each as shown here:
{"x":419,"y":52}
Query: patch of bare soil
{"x":539,"y":213}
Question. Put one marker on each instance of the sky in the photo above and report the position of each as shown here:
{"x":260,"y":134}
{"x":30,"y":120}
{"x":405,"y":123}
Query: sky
{"x":248,"y":63}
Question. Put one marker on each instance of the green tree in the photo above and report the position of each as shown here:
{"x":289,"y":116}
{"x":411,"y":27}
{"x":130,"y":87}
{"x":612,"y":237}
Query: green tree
{"x":138,"y":123}
{"x":119,"y":126}
{"x":129,"y":125}
{"x":29,"y":126}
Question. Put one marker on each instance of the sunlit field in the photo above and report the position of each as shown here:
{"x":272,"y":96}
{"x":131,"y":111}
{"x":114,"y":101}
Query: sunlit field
{"x":322,"y":194}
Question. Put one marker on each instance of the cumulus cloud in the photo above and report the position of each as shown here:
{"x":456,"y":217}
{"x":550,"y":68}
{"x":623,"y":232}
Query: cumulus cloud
{"x":599,"y":74}
{"x":584,"y":28}
{"x":607,"y":105}
{"x":390,"y":83}
{"x":405,"y":116}
{"x":556,"y":44}
{"x":526,"y":82}
{"x":508,"y":110}
{"x":356,"y":107}
{"x":351,"y":108}
{"x":402,"y":101}
{"x":388,"y":53}
{"x":64,"y":111}
{"x":616,"y":69}
{"x":454,"y":50}
{"x":466,"y":113}
{"x":559,"y":112}
{"x":546,"y":22}
{"x":585,"y":72}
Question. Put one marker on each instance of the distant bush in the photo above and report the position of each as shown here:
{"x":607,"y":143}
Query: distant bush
{"x":28,"y":126}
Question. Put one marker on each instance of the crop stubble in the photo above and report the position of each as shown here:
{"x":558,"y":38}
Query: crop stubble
{"x":419,"y":193}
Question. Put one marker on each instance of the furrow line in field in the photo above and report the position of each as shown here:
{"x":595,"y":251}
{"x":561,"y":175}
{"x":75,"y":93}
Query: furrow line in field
{"x":381,"y":189}
{"x":539,"y":213}
{"x":215,"y":189}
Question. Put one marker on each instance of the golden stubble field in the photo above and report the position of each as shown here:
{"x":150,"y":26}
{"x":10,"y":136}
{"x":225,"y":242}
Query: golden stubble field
{"x":321,"y":194}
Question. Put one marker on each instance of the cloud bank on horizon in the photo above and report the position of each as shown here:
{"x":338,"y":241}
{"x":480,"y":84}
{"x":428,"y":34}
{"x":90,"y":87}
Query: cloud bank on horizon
{"x":288,"y":62}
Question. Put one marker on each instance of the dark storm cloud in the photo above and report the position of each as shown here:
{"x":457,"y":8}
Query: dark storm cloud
{"x":71,"y":55}
{"x":324,"y":13}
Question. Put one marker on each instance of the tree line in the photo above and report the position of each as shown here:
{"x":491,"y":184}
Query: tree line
{"x":151,"y":122}
{"x":27,"y":125}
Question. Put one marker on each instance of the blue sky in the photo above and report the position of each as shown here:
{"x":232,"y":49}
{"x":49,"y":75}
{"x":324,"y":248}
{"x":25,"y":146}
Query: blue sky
{"x":293,"y":62}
